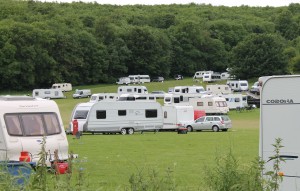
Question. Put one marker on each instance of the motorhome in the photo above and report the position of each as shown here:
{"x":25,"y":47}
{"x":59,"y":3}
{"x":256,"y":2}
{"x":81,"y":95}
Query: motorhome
{"x":139,"y":79}
{"x":80,"y":113}
{"x":208,"y":103}
{"x":25,"y":122}
{"x":132,"y":90}
{"x":124,"y":117}
{"x":176,"y":116}
{"x":65,"y":87}
{"x":85,"y":93}
{"x":238,"y":85}
{"x":218,"y":89}
{"x":235,"y":101}
{"x":211,"y":77}
{"x":279,"y":119}
{"x":199,"y":74}
{"x":188,"y":90}
{"x":123,"y":80}
{"x":48,"y":93}
{"x":104,"y":96}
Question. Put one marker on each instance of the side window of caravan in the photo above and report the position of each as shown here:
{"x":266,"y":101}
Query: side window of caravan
{"x":52,"y":124}
{"x":151,"y":113}
{"x":210,"y":103}
{"x":13,"y":125}
{"x":200,"y":103}
{"x":81,"y":114}
{"x":122,"y":112}
{"x":176,"y":100}
{"x":101,"y":114}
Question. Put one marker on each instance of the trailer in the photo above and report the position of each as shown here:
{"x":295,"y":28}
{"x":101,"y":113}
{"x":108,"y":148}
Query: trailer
{"x":48,"y":93}
{"x":65,"y":87}
{"x":124,"y":117}
{"x":123,"y":80}
{"x":279,"y":118}
{"x":212,"y":77}
{"x":104,"y":96}
{"x":132,"y":90}
{"x":176,"y":116}
{"x":199,"y":74}
{"x":139,"y":79}
{"x":235,"y":101}
{"x":218,"y":89}
{"x":25,"y":122}
{"x":238,"y":85}
{"x":188,"y":90}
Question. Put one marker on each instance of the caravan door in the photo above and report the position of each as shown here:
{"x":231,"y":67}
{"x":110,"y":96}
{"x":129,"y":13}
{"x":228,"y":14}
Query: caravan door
{"x":280,"y":106}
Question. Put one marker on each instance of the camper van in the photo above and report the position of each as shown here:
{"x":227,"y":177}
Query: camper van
{"x":123,"y":80}
{"x":211,"y":77}
{"x":65,"y":87}
{"x":176,"y":116}
{"x":48,"y":93}
{"x":218,"y":89}
{"x":25,"y":121}
{"x":85,"y":93}
{"x":80,"y":113}
{"x":132,"y":90}
{"x":238,"y":85}
{"x":139,"y":79}
{"x":279,"y":118}
{"x":104,"y":96}
{"x":199,"y":74}
{"x":124,"y":117}
{"x":208,"y":103}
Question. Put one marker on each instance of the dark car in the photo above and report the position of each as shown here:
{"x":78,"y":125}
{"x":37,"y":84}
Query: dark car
{"x":178,"y":77}
{"x":158,"y":79}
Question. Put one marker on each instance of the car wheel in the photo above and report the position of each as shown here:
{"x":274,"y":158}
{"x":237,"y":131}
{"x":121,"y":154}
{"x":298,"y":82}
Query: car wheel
{"x":130,"y":131}
{"x":123,"y":131}
{"x":189,"y":128}
{"x":215,"y":128}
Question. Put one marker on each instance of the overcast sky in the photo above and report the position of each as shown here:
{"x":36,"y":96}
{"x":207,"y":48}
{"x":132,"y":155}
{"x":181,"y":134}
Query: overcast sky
{"x":262,"y":3}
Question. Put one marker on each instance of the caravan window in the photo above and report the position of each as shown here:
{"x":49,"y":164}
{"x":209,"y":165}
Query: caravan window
{"x":237,"y":99}
{"x":100,"y":114}
{"x":33,"y":124}
{"x":122,"y":112}
{"x":210,"y":103}
{"x":81,"y":114}
{"x":176,"y":100}
{"x":151,"y":113}
{"x":129,"y":90}
{"x":200,"y":103}
{"x":221,"y":103}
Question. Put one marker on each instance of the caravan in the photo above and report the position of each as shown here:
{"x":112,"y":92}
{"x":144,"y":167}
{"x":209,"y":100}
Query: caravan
{"x":124,"y":117}
{"x":188,"y":90}
{"x":123,"y":80}
{"x":238,"y":85}
{"x":235,"y":101}
{"x":139,"y":79}
{"x":218,"y":89}
{"x":176,"y":116}
{"x":25,"y":121}
{"x":132,"y":90}
{"x":200,"y":74}
{"x":104,"y":96}
{"x":65,"y":87}
{"x":48,"y":93}
{"x":211,"y":77}
{"x":279,"y":118}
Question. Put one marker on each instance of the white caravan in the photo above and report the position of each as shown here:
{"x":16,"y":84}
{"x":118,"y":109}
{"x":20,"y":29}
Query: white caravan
{"x":209,"y":104}
{"x":80,"y":113}
{"x":124,"y":117}
{"x":199,"y":74}
{"x":132,"y":90}
{"x":176,"y":116}
{"x":123,"y":80}
{"x":188,"y":90}
{"x":235,"y":101}
{"x":104,"y":96}
{"x":218,"y":89}
{"x":279,"y":118}
{"x":85,"y":93}
{"x":211,"y":77}
{"x":238,"y":85}
{"x":137,"y":97}
{"x":65,"y":87}
{"x":48,"y":93}
{"x":139,"y":79}
{"x":24,"y":122}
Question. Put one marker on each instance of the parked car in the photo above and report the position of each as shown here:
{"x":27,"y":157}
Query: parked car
{"x":213,"y":122}
{"x":159,"y":94}
{"x":255,"y":89}
{"x":178,"y":77}
{"x":158,"y":79}
{"x":86,"y":93}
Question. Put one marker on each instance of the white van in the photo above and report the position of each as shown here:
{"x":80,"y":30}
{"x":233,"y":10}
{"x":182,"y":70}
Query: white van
{"x":85,"y":93}
{"x":48,"y":93}
{"x":176,"y":116}
{"x":24,"y":122}
{"x":279,"y":118}
{"x":139,"y":79}
{"x":65,"y":87}
{"x":104,"y":96}
{"x":132,"y":90}
{"x":80,"y":113}
{"x":124,"y":117}
{"x":238,"y":85}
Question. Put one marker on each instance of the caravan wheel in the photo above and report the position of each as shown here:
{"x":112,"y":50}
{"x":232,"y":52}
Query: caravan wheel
{"x":130,"y":131}
{"x":123,"y":132}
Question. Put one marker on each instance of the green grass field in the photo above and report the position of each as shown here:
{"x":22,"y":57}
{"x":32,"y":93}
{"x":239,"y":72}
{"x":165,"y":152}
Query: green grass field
{"x":109,"y":160}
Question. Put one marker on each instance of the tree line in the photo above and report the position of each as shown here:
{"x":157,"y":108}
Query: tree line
{"x":87,"y":43}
